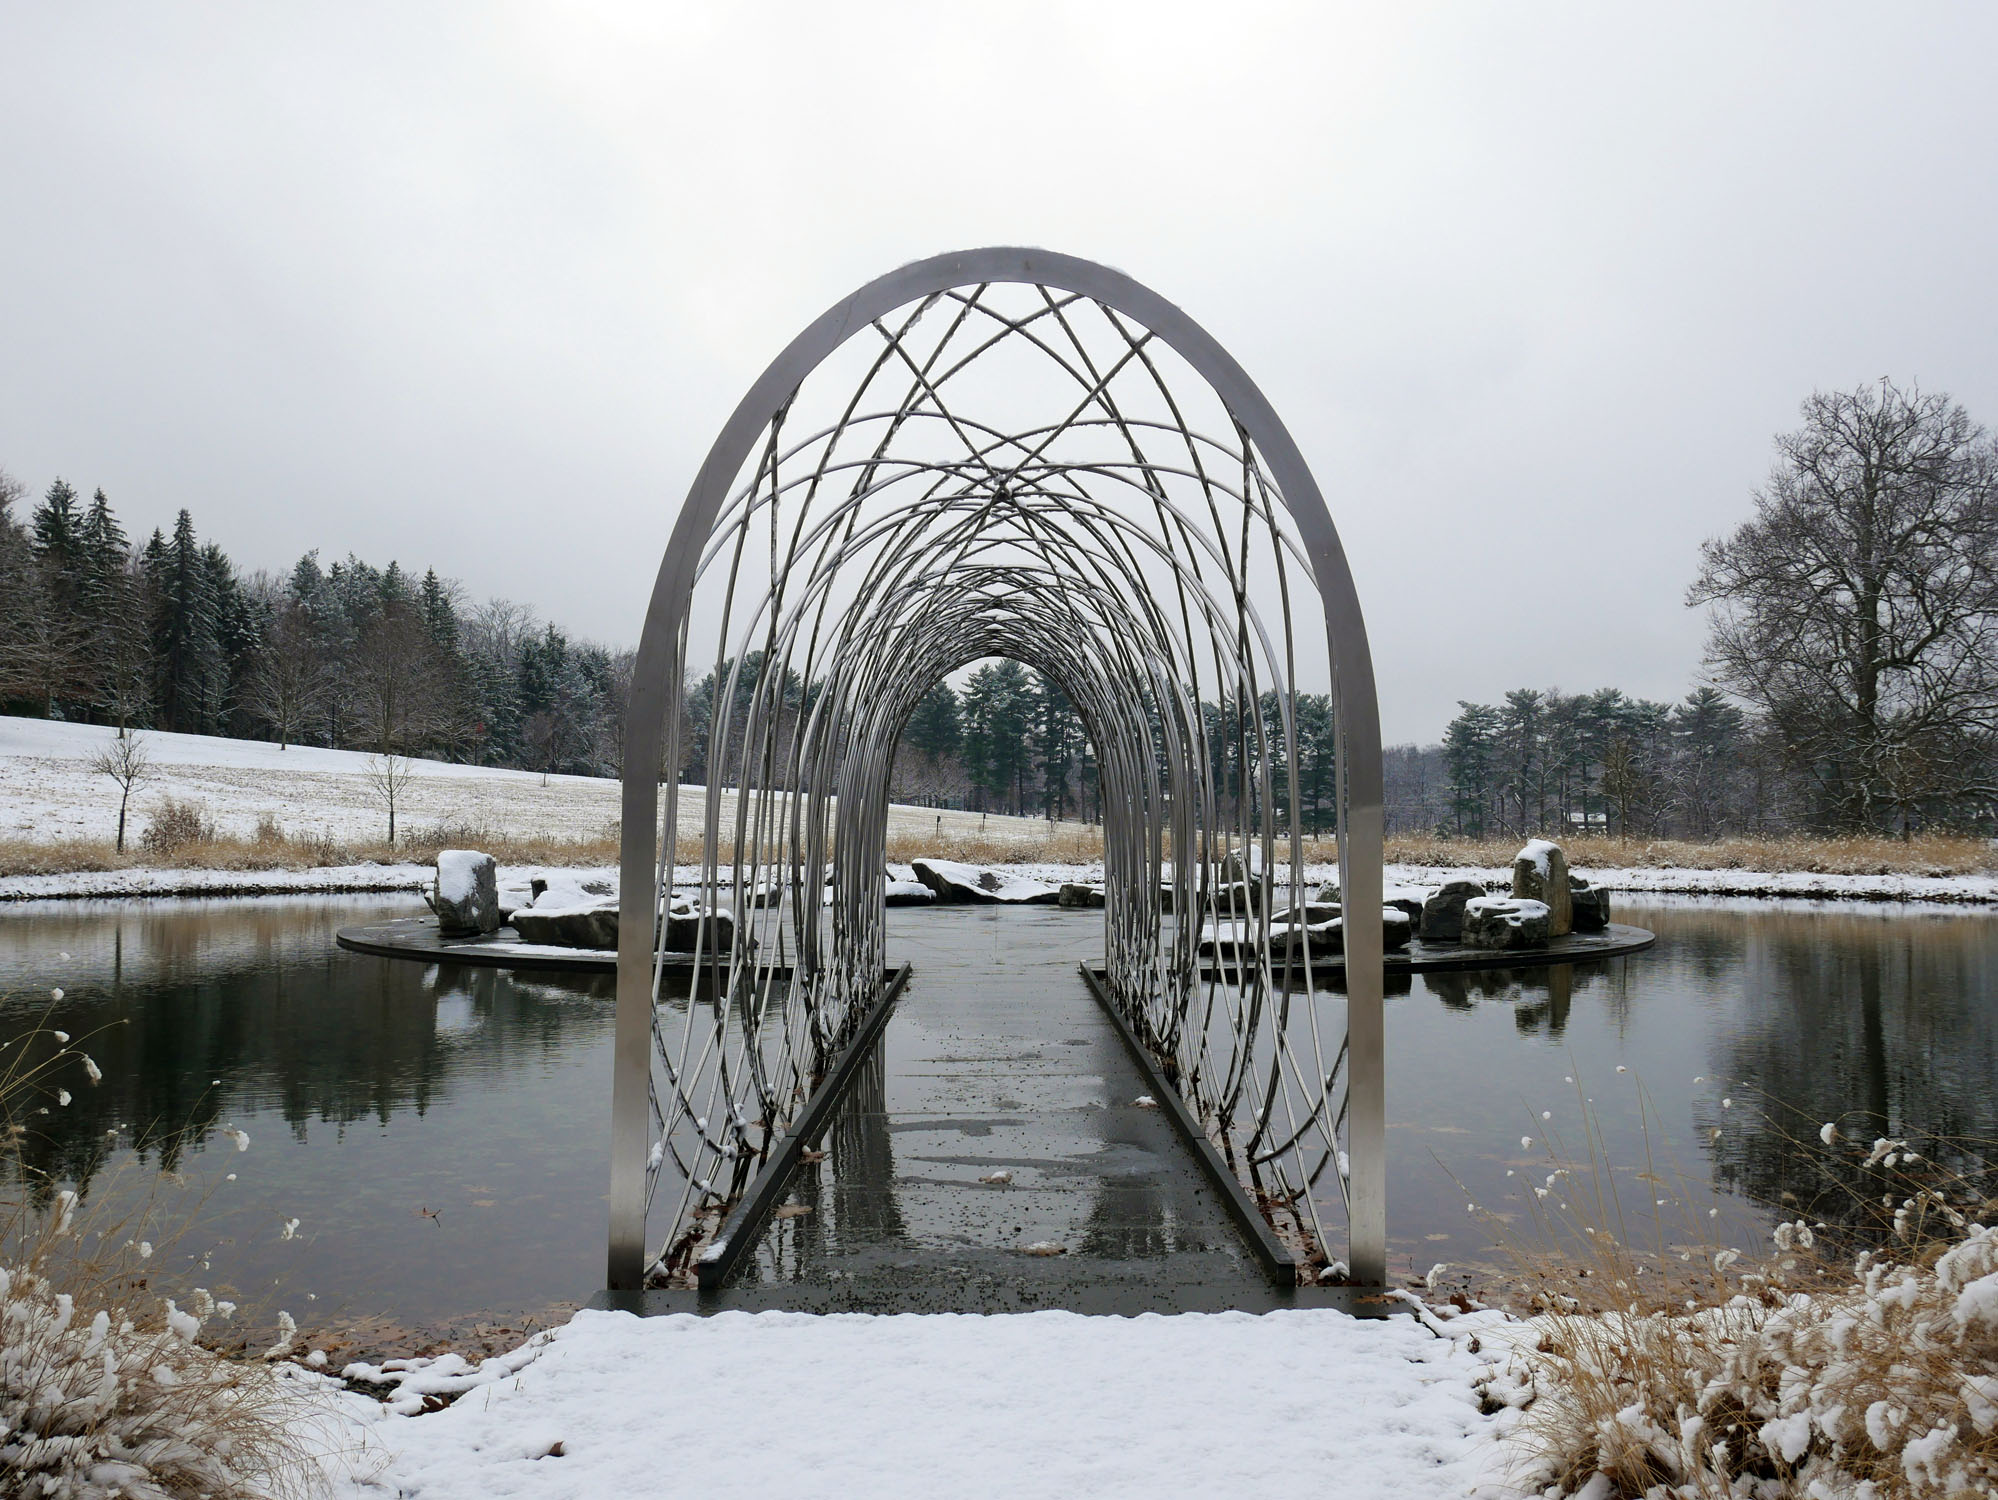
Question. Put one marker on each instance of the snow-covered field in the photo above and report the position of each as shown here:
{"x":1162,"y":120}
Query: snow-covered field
{"x":48,"y":792}
{"x":1041,"y":1404}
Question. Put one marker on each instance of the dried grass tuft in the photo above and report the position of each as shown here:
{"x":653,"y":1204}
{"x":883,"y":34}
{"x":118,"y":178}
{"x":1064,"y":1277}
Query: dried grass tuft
{"x":106,"y":1384}
{"x":1660,"y":1362}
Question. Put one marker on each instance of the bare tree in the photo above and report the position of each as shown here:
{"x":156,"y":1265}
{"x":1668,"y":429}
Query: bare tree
{"x":45,"y":654}
{"x":399,"y":690}
{"x":126,"y":762}
{"x":291,"y":678}
{"x":389,"y":775}
{"x":1858,"y":608}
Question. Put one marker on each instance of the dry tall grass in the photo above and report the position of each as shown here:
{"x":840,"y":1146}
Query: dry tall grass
{"x":1924,"y":854}
{"x":1661,"y":1363}
{"x":106,"y":1387}
{"x":273,"y":848}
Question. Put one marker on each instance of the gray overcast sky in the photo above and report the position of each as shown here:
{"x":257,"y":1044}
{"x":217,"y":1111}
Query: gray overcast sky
{"x":473,"y":286}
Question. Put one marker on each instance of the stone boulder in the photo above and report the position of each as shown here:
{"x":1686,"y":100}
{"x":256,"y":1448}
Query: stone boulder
{"x":1241,"y":867}
{"x":1311,"y":913}
{"x":591,"y":926}
{"x":1397,"y":927}
{"x":683,"y":928}
{"x":1322,"y":938}
{"x":1540,"y":873}
{"x":1407,"y":900}
{"x":1504,"y":922}
{"x":967,"y":885}
{"x":1442,"y":918}
{"x":467,"y":900}
{"x":1075,"y":896}
{"x":1326,"y":927}
{"x":1591,"y":905}
{"x":1237,"y":898}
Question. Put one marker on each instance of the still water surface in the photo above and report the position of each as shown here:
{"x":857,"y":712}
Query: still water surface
{"x":440,"y":1134}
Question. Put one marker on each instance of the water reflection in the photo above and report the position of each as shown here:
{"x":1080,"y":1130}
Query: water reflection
{"x":441,"y":1133}
{"x":1882,"y":1018}
{"x":451,"y":1120}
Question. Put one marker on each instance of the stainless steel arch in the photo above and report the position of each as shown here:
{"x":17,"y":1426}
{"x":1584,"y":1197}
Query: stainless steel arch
{"x":1072,"y":567}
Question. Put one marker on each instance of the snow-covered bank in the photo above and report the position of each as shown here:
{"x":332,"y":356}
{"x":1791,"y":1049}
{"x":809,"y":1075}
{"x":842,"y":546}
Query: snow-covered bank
{"x":1958,"y":890}
{"x":1950,"y":890}
{"x":1039,"y":1404}
{"x":92,"y":885}
{"x":1953,"y":890}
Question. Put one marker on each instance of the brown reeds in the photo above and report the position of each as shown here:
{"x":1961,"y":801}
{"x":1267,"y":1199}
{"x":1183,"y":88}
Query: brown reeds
{"x":107,"y":1383}
{"x":1857,"y":1357}
{"x":273,"y":848}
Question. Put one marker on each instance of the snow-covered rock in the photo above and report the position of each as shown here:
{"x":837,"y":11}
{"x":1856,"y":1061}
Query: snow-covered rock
{"x":1540,"y":873}
{"x":967,"y":885}
{"x":586,"y":926}
{"x":908,"y":893}
{"x":1442,"y":918}
{"x":1590,"y":904}
{"x":684,"y":930}
{"x":467,"y":897}
{"x":1505,"y":922}
{"x":1076,"y":896}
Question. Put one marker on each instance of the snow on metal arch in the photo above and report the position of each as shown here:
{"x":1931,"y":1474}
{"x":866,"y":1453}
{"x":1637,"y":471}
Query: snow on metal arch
{"x":994,"y":453}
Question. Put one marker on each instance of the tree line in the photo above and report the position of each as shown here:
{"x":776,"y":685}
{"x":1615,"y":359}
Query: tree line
{"x":172,"y":635}
{"x":1852,"y":661}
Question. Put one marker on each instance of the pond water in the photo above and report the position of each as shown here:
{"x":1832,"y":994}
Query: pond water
{"x":440,"y":1134}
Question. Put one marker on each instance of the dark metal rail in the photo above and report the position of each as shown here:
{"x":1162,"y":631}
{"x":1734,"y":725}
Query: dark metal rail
{"x":740,"y":1230}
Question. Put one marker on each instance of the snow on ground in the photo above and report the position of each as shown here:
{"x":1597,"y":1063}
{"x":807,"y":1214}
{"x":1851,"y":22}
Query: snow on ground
{"x":1730,"y":885}
{"x":48,"y":792}
{"x":1017,"y":1406}
{"x":1959,"y":890}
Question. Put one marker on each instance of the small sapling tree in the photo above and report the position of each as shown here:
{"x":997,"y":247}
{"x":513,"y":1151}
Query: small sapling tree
{"x":389,"y":775}
{"x":126,"y":762}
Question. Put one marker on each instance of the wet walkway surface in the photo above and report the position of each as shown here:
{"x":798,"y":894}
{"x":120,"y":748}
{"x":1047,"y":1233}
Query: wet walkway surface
{"x":997,"y":1060}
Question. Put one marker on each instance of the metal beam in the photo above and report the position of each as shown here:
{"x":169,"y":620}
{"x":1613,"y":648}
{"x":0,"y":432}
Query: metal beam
{"x":738,"y":1233}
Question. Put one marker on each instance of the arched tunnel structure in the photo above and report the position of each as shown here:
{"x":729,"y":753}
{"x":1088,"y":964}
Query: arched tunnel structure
{"x":998,"y":453}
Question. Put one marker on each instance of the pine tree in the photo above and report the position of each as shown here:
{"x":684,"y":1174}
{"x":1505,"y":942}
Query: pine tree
{"x":184,"y":628}
{"x":236,"y":638}
{"x":440,"y":612}
{"x":58,"y":544}
{"x":114,"y":618}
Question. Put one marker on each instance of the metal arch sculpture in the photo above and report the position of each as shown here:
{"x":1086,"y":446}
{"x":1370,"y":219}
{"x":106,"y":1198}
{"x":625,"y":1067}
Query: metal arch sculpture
{"x":887,"y":504}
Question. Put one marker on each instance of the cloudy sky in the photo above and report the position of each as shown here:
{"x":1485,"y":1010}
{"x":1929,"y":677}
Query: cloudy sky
{"x":473,"y":286}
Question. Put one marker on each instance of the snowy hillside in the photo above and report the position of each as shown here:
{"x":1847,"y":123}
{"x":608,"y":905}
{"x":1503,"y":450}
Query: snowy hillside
{"x":48,"y":791}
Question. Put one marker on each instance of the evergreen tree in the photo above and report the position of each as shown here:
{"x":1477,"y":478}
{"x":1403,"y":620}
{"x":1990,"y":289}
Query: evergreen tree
{"x":440,"y":612}
{"x":1470,"y":751}
{"x":113,"y":614}
{"x":1057,"y":743}
{"x":58,"y":544}
{"x":997,"y":707}
{"x":187,"y":653}
{"x":236,"y":639}
{"x":934,"y":730}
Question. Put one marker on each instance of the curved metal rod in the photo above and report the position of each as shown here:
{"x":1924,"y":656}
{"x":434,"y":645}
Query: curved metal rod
{"x":904,"y":539}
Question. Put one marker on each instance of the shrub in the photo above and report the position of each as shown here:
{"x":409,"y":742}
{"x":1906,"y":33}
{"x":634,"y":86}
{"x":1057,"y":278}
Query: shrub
{"x":175,"y":825}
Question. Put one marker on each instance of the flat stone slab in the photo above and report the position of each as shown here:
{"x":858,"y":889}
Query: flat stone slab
{"x":1423,"y":958}
{"x":417,"y":938}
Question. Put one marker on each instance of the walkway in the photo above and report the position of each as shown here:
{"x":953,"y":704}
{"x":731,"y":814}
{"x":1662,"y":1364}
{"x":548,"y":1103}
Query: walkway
{"x":997,"y":1061}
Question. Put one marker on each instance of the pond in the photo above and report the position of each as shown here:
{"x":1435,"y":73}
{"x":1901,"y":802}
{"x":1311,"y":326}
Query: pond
{"x":439,"y":1135}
